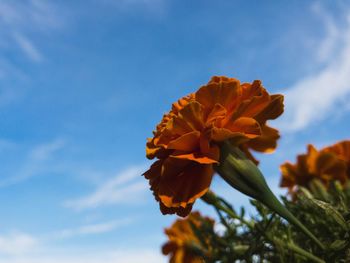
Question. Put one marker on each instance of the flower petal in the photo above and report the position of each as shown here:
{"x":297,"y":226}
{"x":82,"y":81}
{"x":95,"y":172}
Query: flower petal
{"x":196,"y":157}
{"x":186,"y":142}
{"x":248,"y":126}
{"x":223,"y":91}
{"x":217,"y":113}
{"x":267,"y":142}
{"x":254,"y":100}
{"x":273,"y":110}
{"x":180,"y":211}
{"x":188,"y":185}
{"x":193,"y":115}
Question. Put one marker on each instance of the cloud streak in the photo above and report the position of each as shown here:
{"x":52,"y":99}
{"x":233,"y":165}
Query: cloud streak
{"x":119,"y":189}
{"x":35,"y":163}
{"x":107,"y":256}
{"x":20,"y":19}
{"x":19,"y":247}
{"x":92,"y":229}
{"x":321,"y":95}
{"x":28,"y":47}
{"x":17,"y":243}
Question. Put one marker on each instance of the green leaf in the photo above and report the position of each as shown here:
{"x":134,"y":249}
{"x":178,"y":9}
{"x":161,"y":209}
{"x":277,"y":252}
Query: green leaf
{"x":331,"y":212}
{"x":338,"y":244}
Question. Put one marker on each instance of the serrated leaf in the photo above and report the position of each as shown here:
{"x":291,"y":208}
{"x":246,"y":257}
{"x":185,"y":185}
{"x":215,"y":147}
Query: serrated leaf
{"x":338,"y":244}
{"x":331,"y":211}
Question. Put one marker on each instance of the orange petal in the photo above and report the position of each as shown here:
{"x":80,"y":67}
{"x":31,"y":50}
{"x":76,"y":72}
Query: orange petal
{"x":188,"y":185}
{"x":178,"y":126}
{"x":341,"y":149}
{"x":248,"y":126}
{"x":222,"y":134}
{"x":180,"y":211}
{"x":267,"y":142}
{"x":329,"y":165}
{"x":177,"y":106}
{"x":186,"y":142}
{"x":218,"y":112}
{"x":196,"y":157}
{"x":226,"y":92}
{"x":273,"y":110}
{"x":169,"y":247}
{"x":252,"y":90}
{"x":154,"y":170}
{"x":192,"y":114}
{"x":289,"y":174}
{"x":252,"y":107}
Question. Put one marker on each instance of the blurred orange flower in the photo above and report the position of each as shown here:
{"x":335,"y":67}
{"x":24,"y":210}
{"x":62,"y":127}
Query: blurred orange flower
{"x":186,"y":141}
{"x":183,"y":243}
{"x":329,"y":164}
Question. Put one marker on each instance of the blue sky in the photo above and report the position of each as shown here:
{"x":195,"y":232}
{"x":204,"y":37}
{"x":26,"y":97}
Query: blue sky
{"x":83,"y":83}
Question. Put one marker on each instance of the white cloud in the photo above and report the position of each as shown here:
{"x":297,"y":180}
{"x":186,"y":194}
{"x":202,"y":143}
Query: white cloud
{"x":44,"y":151}
{"x":28,"y":47}
{"x":30,"y":15}
{"x":23,"y":28}
{"x":155,"y":7}
{"x":18,"y":19}
{"x":35,"y":162}
{"x":333,"y":33}
{"x":17,"y":243}
{"x":19,"y":247}
{"x":91,"y":256}
{"x":92,"y":229}
{"x":318,"y":96}
{"x":121,"y":188}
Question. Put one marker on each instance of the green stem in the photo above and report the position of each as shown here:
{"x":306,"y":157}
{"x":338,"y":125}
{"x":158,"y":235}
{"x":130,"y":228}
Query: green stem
{"x":298,"y":250}
{"x":242,"y":174}
{"x":270,"y":200}
{"x":211,"y":199}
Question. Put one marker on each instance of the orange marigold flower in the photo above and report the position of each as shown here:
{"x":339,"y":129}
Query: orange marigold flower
{"x":183,"y":242}
{"x":329,"y":164}
{"x":342,"y":150}
{"x":186,"y":141}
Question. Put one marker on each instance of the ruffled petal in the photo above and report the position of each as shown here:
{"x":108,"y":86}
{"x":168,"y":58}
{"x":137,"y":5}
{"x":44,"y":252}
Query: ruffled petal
{"x":186,"y":142}
{"x":325,"y":165}
{"x":223,"y":91}
{"x":273,"y":110}
{"x":248,"y":126}
{"x":267,"y":142}
{"x":197,"y":157}
{"x":193,"y":115}
{"x":184,"y":188}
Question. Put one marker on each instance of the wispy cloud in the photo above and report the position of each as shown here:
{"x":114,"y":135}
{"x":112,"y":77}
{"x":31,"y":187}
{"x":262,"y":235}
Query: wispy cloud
{"x":24,"y":25}
{"x":17,"y":243}
{"x":28,"y":47}
{"x":327,"y":46}
{"x":157,"y":7}
{"x":318,"y":96}
{"x":91,"y":256}
{"x":114,"y":190}
{"x":92,"y":229}
{"x":31,"y":15}
{"x":35,"y":162}
{"x":19,"y":247}
{"x":19,"y":19}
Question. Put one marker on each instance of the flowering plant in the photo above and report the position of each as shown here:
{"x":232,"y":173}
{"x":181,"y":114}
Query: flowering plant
{"x":215,"y":130}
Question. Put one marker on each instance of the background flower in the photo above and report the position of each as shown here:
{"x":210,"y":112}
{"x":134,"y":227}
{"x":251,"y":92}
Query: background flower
{"x":183,"y":245}
{"x":328,"y":164}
